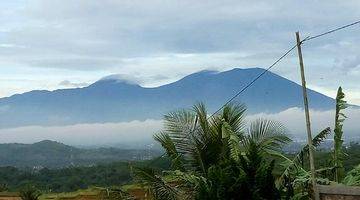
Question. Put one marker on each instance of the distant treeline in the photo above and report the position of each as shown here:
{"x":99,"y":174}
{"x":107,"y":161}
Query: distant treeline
{"x":323,"y":157}
{"x":71,"y":178}
{"x":51,"y":154}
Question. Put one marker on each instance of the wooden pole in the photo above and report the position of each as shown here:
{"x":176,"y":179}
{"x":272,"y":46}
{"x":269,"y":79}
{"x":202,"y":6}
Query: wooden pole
{"x":307,"y":116}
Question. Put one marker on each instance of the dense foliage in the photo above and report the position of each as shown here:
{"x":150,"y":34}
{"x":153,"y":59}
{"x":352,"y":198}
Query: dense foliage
{"x":67,"y":179}
{"x":216,"y":157}
{"x":60,"y":180}
{"x":72,"y":178}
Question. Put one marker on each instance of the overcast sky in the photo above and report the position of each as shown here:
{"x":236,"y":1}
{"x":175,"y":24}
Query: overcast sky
{"x":61,"y":44}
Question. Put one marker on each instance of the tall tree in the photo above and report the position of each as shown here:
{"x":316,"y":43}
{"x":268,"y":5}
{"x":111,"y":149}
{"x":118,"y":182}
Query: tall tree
{"x":338,"y":135}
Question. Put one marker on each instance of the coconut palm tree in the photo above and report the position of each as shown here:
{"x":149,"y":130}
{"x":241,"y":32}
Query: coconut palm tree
{"x":216,"y":157}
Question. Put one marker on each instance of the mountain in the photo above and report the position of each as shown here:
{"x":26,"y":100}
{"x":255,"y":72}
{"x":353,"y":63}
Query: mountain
{"x":53,"y":154}
{"x":113,"y":100}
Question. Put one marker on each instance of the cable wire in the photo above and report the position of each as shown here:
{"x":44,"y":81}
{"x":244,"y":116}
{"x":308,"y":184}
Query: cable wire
{"x":333,"y":30}
{"x":254,"y":80}
{"x":236,"y":95}
{"x":263,"y":73}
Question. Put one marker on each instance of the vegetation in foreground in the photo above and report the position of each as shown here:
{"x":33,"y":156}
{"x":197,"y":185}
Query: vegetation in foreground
{"x":30,"y":193}
{"x":214,"y":158}
{"x":13,"y":179}
{"x":217,"y":158}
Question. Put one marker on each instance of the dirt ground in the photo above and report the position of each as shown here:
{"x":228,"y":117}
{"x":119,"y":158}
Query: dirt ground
{"x":10,"y":198}
{"x":80,"y":197}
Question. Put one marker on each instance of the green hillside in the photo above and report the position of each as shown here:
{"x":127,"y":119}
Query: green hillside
{"x":50,"y":154}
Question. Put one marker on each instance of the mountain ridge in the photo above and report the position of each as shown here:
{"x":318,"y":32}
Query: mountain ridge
{"x":111,"y":100}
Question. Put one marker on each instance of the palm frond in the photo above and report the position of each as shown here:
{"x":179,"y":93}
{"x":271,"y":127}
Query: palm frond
{"x":170,"y":148}
{"x":317,"y":140}
{"x":293,"y":166}
{"x":268,"y":135}
{"x":232,"y":140}
{"x":352,"y":178}
{"x":198,"y":161}
{"x":201,"y":113}
{"x":179,"y":126}
{"x":234,"y":115}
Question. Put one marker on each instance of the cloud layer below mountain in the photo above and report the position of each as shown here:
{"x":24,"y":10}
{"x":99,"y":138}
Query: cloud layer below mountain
{"x":139,"y":133}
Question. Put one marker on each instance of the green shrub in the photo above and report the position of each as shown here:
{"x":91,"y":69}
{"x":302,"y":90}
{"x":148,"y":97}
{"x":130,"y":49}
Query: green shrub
{"x":30,"y":193}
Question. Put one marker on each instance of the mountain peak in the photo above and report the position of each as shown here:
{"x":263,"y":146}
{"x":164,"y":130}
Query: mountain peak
{"x":117,"y":80}
{"x":121,"y":78}
{"x":252,"y":69}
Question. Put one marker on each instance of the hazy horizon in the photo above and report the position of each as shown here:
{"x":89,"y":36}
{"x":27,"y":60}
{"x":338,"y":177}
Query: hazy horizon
{"x":114,"y":134}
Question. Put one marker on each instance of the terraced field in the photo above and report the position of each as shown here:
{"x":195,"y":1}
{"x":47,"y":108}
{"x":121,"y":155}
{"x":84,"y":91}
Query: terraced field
{"x":88,"y":194}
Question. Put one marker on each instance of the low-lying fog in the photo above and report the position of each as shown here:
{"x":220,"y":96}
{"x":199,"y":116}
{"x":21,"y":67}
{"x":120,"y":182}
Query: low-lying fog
{"x":139,"y":133}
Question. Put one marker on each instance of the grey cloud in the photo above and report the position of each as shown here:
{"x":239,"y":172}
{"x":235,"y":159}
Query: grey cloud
{"x":137,"y":28}
{"x":158,"y":36}
{"x":350,"y":63}
{"x":81,"y":63}
{"x":67,"y":83}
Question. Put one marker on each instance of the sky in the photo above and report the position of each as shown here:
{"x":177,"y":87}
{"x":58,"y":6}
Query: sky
{"x":63,"y":44}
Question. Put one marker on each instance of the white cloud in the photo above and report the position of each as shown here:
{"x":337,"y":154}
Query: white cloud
{"x":132,"y":133}
{"x":139,"y":133}
{"x":294,"y":120}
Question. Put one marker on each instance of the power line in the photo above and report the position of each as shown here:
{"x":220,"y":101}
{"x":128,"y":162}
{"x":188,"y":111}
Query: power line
{"x":332,"y":31}
{"x":236,"y":95}
{"x":264,"y":72}
{"x":281,"y":57}
{"x":254,"y":80}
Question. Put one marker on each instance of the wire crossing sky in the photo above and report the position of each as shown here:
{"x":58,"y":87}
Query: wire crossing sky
{"x":260,"y":75}
{"x":63,"y":44}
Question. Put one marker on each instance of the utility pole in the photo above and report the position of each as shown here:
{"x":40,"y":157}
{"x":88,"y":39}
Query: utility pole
{"x":307,"y":116}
